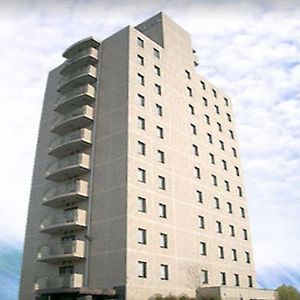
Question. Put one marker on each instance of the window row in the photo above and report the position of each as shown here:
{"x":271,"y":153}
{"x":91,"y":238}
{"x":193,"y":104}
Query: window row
{"x":189,"y":90}
{"x":158,"y":108}
{"x":200,"y":199}
{"x":203,"y":274}
{"x":219,"y":228}
{"x":142,"y":238}
{"x":209,"y":136}
{"x":141,"y":123}
{"x":221,"y":253}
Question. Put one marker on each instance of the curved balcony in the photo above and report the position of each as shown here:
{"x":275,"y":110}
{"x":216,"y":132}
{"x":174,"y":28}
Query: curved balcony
{"x":73,"y":142}
{"x":83,"y":58}
{"x":61,"y":281}
{"x":75,"y":99}
{"x":70,"y":191}
{"x":75,"y":119}
{"x":74,"y":219}
{"x":68,"y":167}
{"x":57,"y":251}
{"x":80,"y":45}
{"x":79,"y":77}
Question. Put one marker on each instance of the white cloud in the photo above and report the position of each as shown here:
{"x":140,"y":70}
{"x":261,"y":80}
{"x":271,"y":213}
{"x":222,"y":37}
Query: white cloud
{"x":250,"y":48}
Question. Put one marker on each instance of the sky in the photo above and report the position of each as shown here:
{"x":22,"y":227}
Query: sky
{"x":250,"y":49}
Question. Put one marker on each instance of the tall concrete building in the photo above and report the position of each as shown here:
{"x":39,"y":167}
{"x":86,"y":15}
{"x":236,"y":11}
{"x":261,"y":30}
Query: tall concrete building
{"x":137,"y":186}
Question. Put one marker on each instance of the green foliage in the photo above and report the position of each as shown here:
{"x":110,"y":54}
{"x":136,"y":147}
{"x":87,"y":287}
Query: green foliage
{"x":288,"y":293}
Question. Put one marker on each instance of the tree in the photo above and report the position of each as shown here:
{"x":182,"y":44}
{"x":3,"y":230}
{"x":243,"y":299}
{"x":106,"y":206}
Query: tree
{"x":286,"y":292}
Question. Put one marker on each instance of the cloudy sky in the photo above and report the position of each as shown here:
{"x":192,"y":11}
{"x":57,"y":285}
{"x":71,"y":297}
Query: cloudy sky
{"x":251,"y":49}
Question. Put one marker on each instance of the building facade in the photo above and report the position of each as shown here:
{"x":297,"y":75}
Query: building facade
{"x":137,"y":186}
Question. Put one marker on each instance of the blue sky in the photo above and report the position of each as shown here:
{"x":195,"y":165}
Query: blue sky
{"x":251,"y":49}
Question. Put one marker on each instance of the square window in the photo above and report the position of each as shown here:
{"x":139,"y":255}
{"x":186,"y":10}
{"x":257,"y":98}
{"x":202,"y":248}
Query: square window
{"x":188,"y":74}
{"x":161,"y":182}
{"x":156,"y":53}
{"x":217,"y":202}
{"x":141,"y":148}
{"x":140,"y":42}
{"x":223,"y":278}
{"x":189,"y":91}
{"x":237,"y":171}
{"x":229,"y":207}
{"x":140,"y":60}
{"x":161,"y":156}
{"x":217,"y":109}
{"x":142,"y":236}
{"x":141,"y":204}
{"x":250,"y":282}
{"x":219,"y":126}
{"x":163,"y":240}
{"x":157,"y":89}
{"x":164,"y":272}
{"x":192,"y":110}
{"x":227,"y":186}
{"x":203,"y":249}
{"x":141,"y":100}
{"x":209,"y":137}
{"x":222,"y":146}
{"x":207,"y":119}
{"x":159,"y":110}
{"x":221,"y":252}
{"x":245,"y":234}
{"x":141,"y":175}
{"x":203,"y":85}
{"x":242,"y":210}
{"x":204,"y":276}
{"x":224,"y":163}
{"x":234,"y":152}
{"x":214,"y":93}
{"x":160,"y":132}
{"x":142,"y":269}
{"x":199,"y":196}
{"x":157,"y":70}
{"x":234,"y":254}
{"x":141,"y":79}
{"x":218,"y":227}
{"x":247,"y":255}
{"x":231,"y":134}
{"x":240,"y":191}
{"x":226,"y":101}
{"x":162,"y":210}
{"x":232,"y":232}
{"x":197,"y":172}
{"x":212,"y":158}
{"x":193,"y":128}
{"x":214,"y":180}
{"x":205,"y":102}
{"x":201,"y":222}
{"x":141,"y":123}
{"x":195,"y":150}
{"x":228,"y":117}
{"x":237,"y":279}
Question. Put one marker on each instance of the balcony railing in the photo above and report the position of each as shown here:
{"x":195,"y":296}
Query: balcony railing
{"x":73,"y":142}
{"x":80,"y":45}
{"x":74,"y":219}
{"x":68,"y":167}
{"x":61,"y":281}
{"x":73,"y":190}
{"x":82,"y":58}
{"x":75,"y":119}
{"x":81,"y":76}
{"x":58,"y":251}
{"x":75,"y":98}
